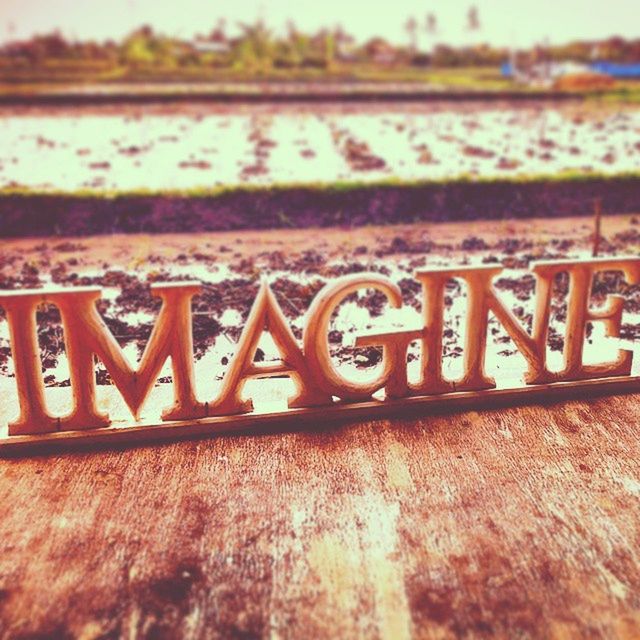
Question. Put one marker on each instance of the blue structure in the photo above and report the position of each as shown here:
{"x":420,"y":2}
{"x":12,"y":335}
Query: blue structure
{"x":613,"y":69}
{"x":506,"y":69}
{"x":617,"y":70}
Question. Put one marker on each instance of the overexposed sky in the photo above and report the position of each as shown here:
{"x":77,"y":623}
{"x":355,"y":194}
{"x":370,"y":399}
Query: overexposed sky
{"x":504,"y":22}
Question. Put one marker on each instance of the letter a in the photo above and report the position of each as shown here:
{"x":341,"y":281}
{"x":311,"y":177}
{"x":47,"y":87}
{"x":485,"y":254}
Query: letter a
{"x":266,"y":315}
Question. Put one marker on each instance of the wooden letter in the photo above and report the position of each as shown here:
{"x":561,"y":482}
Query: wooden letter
{"x":395,"y":345}
{"x":316,"y":345}
{"x":481,"y":298}
{"x":20,"y":307}
{"x":266,"y":315}
{"x":86,"y":334}
{"x":172,"y":336}
{"x":581,"y":273}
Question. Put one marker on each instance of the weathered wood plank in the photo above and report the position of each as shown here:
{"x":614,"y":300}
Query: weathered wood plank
{"x":521,"y":521}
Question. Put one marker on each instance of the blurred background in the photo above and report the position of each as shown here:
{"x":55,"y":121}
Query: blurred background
{"x":130,"y":97}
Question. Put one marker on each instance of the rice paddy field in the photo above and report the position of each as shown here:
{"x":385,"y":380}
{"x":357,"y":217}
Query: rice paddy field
{"x":202,"y":147}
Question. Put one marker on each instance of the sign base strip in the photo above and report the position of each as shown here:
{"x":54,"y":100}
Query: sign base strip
{"x":126,"y":433}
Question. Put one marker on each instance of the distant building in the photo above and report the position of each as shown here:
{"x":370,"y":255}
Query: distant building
{"x":216,"y":42}
{"x":204,"y":46}
{"x":378,"y":50}
{"x":345,"y":46}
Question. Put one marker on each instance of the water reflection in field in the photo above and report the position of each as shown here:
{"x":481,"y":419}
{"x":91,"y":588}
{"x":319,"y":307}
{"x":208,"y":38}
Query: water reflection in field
{"x":205,"y":146}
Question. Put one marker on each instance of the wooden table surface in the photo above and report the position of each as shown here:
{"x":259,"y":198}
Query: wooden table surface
{"x":522,"y":522}
{"x":516,"y":523}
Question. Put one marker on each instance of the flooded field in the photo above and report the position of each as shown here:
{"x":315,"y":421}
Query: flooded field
{"x":204,"y":146}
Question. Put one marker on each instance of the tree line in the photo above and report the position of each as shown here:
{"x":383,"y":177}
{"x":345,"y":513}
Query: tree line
{"x":255,"y":47}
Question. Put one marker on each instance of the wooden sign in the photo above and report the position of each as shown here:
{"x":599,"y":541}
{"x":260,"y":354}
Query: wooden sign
{"x":322,"y":391}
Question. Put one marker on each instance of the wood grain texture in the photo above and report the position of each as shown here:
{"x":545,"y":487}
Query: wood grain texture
{"x":520,"y":522}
